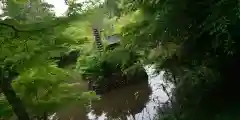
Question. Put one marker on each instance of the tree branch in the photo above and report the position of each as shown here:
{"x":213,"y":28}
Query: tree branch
{"x":27,"y":27}
{"x":8,"y":25}
{"x":13,"y":27}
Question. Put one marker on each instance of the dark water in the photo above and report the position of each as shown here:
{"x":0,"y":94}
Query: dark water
{"x":135,"y":102}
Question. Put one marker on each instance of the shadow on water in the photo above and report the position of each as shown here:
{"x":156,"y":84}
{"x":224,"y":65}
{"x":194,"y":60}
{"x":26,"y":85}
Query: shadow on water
{"x":135,"y":102}
{"x":122,"y":102}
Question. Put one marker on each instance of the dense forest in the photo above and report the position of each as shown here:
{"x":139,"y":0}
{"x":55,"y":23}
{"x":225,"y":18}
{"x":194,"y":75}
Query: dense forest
{"x":95,"y":46}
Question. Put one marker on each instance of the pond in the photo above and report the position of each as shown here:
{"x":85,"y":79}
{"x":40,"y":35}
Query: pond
{"x":135,"y":102}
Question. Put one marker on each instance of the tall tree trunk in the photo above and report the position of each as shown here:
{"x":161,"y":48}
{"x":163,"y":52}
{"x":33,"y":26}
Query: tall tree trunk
{"x":17,"y":105}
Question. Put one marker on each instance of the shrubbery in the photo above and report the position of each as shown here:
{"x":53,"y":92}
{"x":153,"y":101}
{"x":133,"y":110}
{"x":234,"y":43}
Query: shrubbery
{"x":111,"y":68}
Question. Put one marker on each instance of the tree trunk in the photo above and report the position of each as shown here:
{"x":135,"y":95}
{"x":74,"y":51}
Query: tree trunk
{"x":17,"y":105}
{"x":45,"y":116}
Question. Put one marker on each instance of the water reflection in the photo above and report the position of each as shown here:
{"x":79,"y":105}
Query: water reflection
{"x":72,"y":112}
{"x":122,"y":102}
{"x":135,"y":102}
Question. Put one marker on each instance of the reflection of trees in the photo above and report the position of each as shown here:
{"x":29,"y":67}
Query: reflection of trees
{"x":119,"y":103}
{"x":72,"y":112}
{"x":165,"y":109}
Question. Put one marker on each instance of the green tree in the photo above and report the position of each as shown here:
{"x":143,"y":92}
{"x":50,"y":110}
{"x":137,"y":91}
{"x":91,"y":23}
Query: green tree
{"x":29,"y":40}
{"x":195,"y":43}
{"x":33,"y":11}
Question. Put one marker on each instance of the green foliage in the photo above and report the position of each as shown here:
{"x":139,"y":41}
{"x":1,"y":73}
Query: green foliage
{"x":45,"y":89}
{"x":21,"y":1}
{"x":88,"y":65}
{"x":195,"y":43}
{"x":6,"y":110}
{"x":25,"y":11}
{"x":28,"y":46}
{"x":109,"y":66}
{"x":48,"y":89}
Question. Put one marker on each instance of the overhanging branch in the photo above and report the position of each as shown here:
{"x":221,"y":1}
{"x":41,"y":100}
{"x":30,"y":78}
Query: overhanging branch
{"x":17,"y":30}
{"x":28,"y":27}
{"x":11,"y":26}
